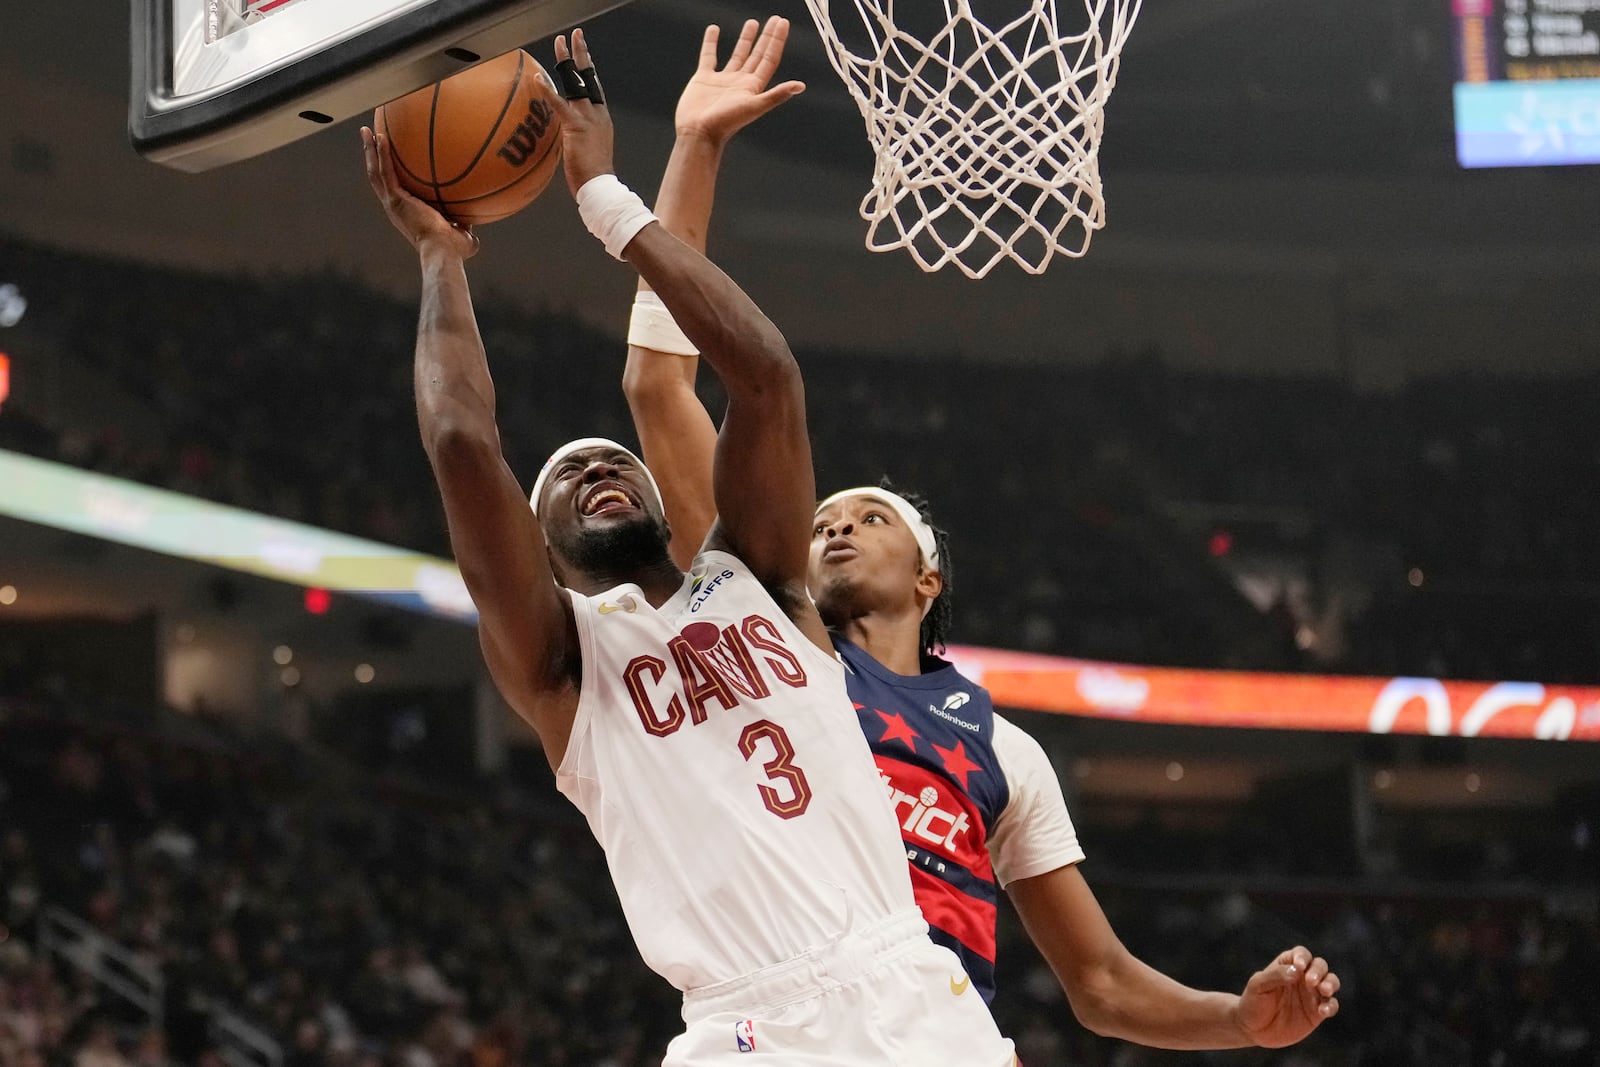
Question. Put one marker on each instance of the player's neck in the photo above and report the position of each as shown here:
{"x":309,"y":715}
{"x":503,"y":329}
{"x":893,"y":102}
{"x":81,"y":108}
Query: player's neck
{"x":657,"y":580}
{"x":894,"y":641}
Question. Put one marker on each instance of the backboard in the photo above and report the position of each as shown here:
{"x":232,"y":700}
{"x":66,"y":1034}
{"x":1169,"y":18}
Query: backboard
{"x":217,"y":81}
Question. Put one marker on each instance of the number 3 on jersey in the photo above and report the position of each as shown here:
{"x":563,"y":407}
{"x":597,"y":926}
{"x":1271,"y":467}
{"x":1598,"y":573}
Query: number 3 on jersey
{"x":778,"y":767}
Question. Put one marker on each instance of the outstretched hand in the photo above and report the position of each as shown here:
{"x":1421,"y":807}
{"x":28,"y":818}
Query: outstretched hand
{"x":586,"y":131}
{"x":1289,"y":998}
{"x":716,"y":103}
{"x":417,"y":222}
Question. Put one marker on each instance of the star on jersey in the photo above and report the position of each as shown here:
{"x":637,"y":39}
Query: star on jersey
{"x":956,"y":761}
{"x":897,"y":729}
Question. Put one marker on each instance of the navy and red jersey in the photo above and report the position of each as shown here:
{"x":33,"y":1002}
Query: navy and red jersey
{"x":932,"y":736}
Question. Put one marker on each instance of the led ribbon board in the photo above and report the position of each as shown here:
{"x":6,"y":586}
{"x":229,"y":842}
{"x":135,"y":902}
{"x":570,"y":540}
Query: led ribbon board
{"x":66,"y":498}
{"x":1251,"y":699}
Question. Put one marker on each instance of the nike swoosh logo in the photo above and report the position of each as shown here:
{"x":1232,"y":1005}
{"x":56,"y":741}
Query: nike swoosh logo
{"x":958,"y":988}
{"x":628,"y":604}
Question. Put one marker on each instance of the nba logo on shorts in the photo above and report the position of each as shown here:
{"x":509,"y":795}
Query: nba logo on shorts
{"x":744,"y":1032}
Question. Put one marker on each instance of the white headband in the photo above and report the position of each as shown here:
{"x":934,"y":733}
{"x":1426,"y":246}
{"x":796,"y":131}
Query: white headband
{"x":578,"y":446}
{"x":902,"y":507}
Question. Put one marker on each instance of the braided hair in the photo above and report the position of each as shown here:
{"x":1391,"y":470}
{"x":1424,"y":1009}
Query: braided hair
{"x":936,"y":623}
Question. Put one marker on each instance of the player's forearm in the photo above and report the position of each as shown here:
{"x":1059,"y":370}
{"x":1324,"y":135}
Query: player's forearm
{"x":454,"y":391}
{"x":675,"y":431}
{"x":660,"y":387}
{"x":688,"y":188}
{"x":1135,"y":1002}
{"x":742,"y":345}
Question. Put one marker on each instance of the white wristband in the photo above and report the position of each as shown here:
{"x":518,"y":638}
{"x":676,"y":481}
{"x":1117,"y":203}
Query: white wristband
{"x":652,"y":326}
{"x":613,"y":212}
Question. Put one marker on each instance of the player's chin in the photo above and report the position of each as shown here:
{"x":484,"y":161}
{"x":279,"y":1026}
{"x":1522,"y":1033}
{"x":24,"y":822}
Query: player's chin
{"x":622,"y":525}
{"x":833,"y":593}
{"x":617,"y":516}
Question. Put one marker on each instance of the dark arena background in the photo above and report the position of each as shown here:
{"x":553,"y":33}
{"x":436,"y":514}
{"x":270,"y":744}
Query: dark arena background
{"x":1288,"y":489}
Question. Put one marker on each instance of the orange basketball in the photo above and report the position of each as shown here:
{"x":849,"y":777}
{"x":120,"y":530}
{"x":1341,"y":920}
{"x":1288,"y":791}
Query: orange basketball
{"x":480,"y":145}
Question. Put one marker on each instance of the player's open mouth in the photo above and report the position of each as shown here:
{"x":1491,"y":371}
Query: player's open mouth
{"x":605,"y":498}
{"x":838,"y":550}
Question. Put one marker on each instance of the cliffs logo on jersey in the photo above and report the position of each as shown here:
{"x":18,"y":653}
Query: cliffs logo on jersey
{"x":702,"y":588}
{"x":947,"y":712}
{"x":729,"y":665}
{"x":929,"y":817}
{"x":744,"y":1035}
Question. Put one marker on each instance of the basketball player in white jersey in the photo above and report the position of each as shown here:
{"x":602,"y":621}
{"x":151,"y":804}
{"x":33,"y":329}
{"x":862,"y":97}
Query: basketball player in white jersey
{"x":876,"y":573}
{"x":698,"y":720}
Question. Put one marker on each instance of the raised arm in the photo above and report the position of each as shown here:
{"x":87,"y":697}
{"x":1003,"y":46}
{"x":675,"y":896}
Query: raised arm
{"x":763,"y":483}
{"x":674,"y":428}
{"x":525,"y":621}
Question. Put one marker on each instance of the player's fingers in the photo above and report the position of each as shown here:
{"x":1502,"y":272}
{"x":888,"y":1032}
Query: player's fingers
{"x":1328,"y":1008}
{"x":1316,"y":971}
{"x":377,"y":167}
{"x":763,"y":43}
{"x":1274,"y":975}
{"x":369,"y":159}
{"x":575,"y":75}
{"x":1329,"y":984}
{"x":746,"y":42}
{"x":776,"y":95}
{"x":708,"y":47}
{"x":380,"y":152}
{"x":1298,"y":957}
{"x":770,"y":48}
{"x":386,"y":170}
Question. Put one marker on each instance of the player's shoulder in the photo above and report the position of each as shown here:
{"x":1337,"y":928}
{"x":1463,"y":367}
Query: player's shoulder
{"x":1020,"y":754}
{"x":709,"y":557}
{"x":962,"y":687}
{"x":1012,"y":731}
{"x":715,"y":571}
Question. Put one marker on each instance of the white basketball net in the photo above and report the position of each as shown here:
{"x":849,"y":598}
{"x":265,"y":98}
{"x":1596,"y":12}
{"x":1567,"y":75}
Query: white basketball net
{"x":987,"y":140}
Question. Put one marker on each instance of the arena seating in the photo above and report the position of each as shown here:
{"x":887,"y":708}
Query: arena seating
{"x":349,"y":918}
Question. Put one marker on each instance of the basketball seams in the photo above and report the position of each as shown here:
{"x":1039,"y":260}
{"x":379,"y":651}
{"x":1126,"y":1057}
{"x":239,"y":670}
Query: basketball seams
{"x":531,"y":172}
{"x":394,"y":150}
{"x":494,"y":127}
{"x":433,"y":132}
{"x":436,"y":114}
{"x":552,"y":143}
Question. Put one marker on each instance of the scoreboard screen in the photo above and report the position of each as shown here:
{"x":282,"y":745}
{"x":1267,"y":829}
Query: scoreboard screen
{"x":1527,"y":90}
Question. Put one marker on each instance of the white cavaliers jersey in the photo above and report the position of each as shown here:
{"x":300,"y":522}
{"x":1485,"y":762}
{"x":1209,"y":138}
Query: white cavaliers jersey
{"x":720,"y":765}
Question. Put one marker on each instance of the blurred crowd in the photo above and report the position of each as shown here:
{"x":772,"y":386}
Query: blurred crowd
{"x":359,"y":921}
{"x":1446,"y":527}
{"x":356,"y":923}
{"x":1441,"y":982}
{"x":1125,"y":510}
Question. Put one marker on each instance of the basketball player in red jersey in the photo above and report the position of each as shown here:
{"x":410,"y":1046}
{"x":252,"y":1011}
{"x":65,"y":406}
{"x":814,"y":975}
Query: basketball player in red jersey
{"x":975,"y":798}
{"x":699,"y":721}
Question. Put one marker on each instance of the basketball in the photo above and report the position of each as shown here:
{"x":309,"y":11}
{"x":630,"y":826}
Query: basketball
{"x":480,"y":145}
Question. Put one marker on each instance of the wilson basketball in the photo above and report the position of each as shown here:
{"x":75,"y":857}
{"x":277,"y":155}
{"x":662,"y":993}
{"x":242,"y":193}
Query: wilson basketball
{"x":480,"y":145}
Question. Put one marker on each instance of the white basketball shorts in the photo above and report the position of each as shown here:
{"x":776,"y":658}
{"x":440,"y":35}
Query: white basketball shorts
{"x":884,"y":996}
